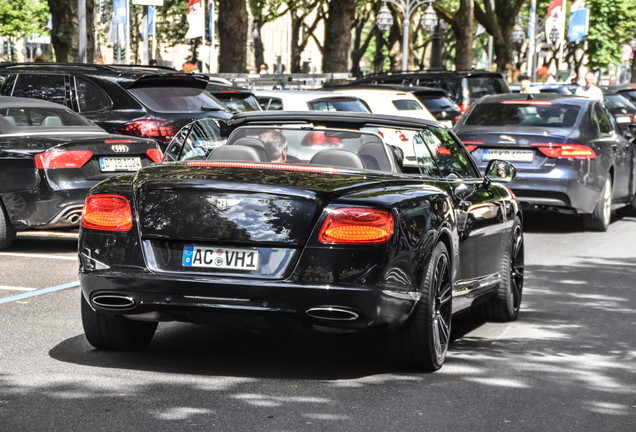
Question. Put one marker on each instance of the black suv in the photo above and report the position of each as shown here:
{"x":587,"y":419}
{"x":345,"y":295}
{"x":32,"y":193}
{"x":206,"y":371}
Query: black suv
{"x":150,"y":102}
{"x":463,"y":86}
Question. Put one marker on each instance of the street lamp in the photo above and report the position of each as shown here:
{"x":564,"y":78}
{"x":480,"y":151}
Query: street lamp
{"x":518,"y":36}
{"x":407,"y":7}
{"x":554,"y":36}
{"x":384,"y":20}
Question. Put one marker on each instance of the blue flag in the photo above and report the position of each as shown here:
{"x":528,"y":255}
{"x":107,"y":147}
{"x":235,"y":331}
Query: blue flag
{"x":577,"y":29}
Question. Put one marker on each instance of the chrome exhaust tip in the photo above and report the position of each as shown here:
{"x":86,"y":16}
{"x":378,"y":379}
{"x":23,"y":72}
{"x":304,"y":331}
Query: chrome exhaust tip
{"x":332,"y":313}
{"x":75,"y":218}
{"x":112,"y":301}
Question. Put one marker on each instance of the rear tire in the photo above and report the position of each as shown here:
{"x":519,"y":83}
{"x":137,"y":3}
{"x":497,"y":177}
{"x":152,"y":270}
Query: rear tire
{"x":423,"y":341}
{"x":115,"y":332}
{"x":600,"y":219}
{"x":7,"y":232}
{"x":505,"y":305}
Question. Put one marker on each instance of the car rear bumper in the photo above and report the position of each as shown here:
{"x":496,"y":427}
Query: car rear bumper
{"x":559,"y":190}
{"x":245,"y":303}
{"x":51,"y":209}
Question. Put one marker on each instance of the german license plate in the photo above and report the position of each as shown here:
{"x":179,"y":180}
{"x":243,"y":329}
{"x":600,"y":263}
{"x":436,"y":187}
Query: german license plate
{"x":220,"y":258}
{"x":623,"y":119}
{"x":119,"y":163}
{"x":509,"y":155}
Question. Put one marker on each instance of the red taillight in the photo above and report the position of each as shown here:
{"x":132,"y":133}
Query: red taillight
{"x":159,"y":130}
{"x":566,"y":151}
{"x":472,"y":145}
{"x":443,"y":151}
{"x":634,"y":119}
{"x":62,"y":159}
{"x":155,"y":155}
{"x":464,"y":107}
{"x":319,"y":139}
{"x":356,"y":226}
{"x":107,"y":213}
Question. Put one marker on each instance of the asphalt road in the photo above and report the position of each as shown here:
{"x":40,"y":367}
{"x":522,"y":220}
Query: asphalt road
{"x":567,"y":364}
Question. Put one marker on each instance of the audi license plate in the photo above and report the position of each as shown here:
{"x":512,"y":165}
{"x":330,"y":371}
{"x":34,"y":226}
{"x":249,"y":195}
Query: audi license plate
{"x":623,"y":119}
{"x":119,"y":163}
{"x":509,"y":155}
{"x":220,"y":258}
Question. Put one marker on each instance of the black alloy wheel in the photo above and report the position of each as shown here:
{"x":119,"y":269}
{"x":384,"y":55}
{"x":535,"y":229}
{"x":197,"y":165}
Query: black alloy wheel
{"x":423,"y":342}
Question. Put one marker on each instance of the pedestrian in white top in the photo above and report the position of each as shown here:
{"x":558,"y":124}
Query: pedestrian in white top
{"x":590,"y":90}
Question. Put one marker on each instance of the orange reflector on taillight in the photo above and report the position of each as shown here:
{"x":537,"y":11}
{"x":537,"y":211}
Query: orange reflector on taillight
{"x":155,"y":155}
{"x":356,"y":226}
{"x":107,"y":212}
{"x":62,"y":159}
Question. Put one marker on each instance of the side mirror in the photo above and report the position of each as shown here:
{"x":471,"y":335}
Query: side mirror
{"x":500,"y":171}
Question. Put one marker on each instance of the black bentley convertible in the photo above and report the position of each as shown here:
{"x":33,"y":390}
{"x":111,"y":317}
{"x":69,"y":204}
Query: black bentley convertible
{"x":304,"y":220}
{"x":50,"y":157}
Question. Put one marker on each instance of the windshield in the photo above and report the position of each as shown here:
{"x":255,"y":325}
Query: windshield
{"x":522,"y":113}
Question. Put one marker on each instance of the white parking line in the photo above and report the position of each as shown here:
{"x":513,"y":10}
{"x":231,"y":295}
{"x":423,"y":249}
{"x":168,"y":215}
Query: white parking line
{"x":12,"y":288}
{"x":39,"y":292}
{"x":34,"y":255}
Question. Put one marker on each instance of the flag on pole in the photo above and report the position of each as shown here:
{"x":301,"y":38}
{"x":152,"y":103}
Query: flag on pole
{"x":579,"y":21}
{"x":118,"y":26}
{"x":151,"y":20}
{"x":556,"y":19}
{"x":211,"y":15}
{"x":196,"y":19}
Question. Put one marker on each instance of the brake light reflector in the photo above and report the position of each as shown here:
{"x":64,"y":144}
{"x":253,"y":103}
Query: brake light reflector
{"x":107,"y":213}
{"x":62,"y":159}
{"x":566,"y":151}
{"x":155,"y":155}
{"x":159,"y":130}
{"x":350,"y":225}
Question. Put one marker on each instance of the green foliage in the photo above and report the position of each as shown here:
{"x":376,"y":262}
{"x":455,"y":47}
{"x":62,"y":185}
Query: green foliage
{"x":23,"y":18}
{"x":611,"y":23}
{"x":171,"y":22}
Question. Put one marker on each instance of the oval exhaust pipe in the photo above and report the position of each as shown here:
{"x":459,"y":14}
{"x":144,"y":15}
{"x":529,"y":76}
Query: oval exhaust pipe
{"x":112,"y":301}
{"x":75,"y":218}
{"x":332,"y":313}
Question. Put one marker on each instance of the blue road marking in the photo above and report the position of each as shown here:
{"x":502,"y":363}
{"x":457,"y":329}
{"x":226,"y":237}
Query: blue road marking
{"x":39,"y":292}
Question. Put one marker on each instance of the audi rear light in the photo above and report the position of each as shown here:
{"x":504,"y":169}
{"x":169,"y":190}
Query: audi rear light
{"x":158,"y":130}
{"x":352,"y":225}
{"x":634,"y":119}
{"x":155,"y":155}
{"x":565,"y":151}
{"x":107,"y":213}
{"x":463,"y":108}
{"x":62,"y":159}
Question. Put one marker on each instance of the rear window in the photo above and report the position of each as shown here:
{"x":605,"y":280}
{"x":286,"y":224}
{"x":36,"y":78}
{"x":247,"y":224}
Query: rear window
{"x":618,"y":101}
{"x":543,"y":114}
{"x":407,"y":105}
{"x":483,"y":86}
{"x":42,"y":117}
{"x":338,"y":104}
{"x":436,"y":103}
{"x":630,"y":94}
{"x":177,"y":99}
{"x":240,"y":102}
{"x":41,"y":86}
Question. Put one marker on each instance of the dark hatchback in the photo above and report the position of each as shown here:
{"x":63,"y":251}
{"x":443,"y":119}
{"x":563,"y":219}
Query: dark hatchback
{"x":437,"y":101}
{"x":463,"y":86}
{"x":50,"y":157}
{"x":338,"y":238}
{"x":149,"y":102}
{"x":569,"y":152}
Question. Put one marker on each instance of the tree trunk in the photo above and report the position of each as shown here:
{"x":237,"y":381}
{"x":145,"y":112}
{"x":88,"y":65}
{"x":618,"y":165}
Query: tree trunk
{"x":338,"y":36}
{"x":499,"y":23}
{"x":463,"y":29}
{"x":64,"y":34}
{"x":232,"y":25}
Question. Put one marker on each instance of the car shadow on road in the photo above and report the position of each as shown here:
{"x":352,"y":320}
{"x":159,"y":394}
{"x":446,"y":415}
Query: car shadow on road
{"x":553,"y":222}
{"x":207,"y":350}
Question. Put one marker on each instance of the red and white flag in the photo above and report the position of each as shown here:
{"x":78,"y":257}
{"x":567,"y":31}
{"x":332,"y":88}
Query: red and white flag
{"x":196,"y":19}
